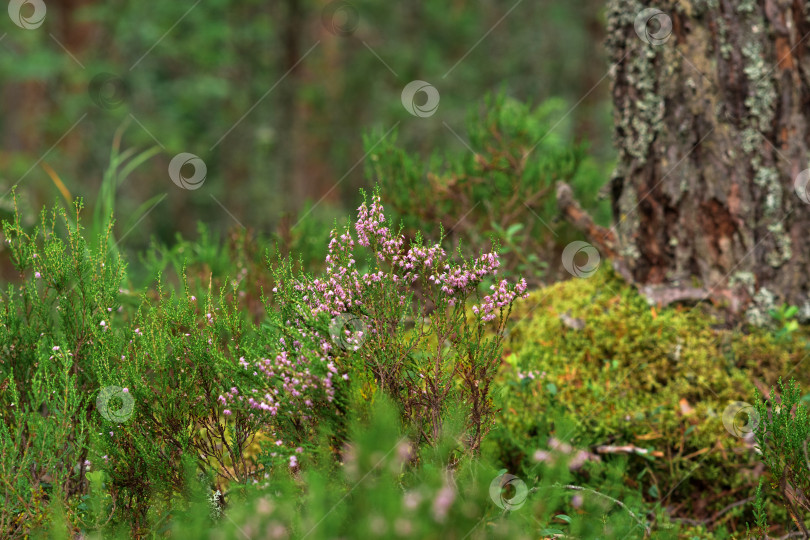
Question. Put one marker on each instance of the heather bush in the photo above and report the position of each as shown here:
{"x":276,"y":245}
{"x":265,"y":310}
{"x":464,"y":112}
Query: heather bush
{"x":99,"y":378}
{"x":53,"y":332}
{"x":451,"y":353}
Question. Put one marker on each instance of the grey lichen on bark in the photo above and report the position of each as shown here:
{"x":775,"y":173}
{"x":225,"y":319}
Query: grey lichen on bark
{"x":711,"y":130}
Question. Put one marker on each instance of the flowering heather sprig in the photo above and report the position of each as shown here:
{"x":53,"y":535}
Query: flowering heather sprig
{"x":373,"y":222}
{"x":303,"y":374}
{"x":293,"y":387}
{"x":501,"y":297}
{"x":344,"y":289}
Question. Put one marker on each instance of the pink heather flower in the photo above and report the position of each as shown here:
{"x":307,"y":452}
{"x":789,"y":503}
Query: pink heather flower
{"x":226,"y":412}
{"x":442,"y":502}
{"x":411,"y":500}
{"x":37,"y":275}
{"x":293,"y":461}
{"x":556,"y":444}
{"x":125,"y":390}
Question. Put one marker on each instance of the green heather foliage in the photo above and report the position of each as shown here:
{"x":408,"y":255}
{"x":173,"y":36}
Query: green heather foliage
{"x":580,"y":411}
{"x":374,"y":493}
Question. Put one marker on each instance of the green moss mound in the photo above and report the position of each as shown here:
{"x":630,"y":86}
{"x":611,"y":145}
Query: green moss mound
{"x":593,"y":353}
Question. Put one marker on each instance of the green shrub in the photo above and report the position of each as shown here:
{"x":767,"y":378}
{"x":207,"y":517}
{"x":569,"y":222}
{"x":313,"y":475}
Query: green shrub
{"x":50,"y":340}
{"x":362,"y":301}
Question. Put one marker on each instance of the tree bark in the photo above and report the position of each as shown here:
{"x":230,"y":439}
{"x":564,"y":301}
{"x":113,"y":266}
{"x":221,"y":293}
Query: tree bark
{"x":711,"y":125}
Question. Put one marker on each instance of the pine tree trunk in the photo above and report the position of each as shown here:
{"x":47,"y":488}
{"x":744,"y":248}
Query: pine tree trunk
{"x":711,"y":125}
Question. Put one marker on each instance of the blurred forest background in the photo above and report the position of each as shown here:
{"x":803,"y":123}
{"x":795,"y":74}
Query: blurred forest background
{"x":277,"y":98}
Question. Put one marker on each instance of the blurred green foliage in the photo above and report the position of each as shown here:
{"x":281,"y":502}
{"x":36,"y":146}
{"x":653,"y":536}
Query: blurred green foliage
{"x":501,"y":188}
{"x":276,"y":105}
{"x":222,"y":79}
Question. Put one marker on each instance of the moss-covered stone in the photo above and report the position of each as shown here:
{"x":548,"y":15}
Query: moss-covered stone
{"x":656,"y":379}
